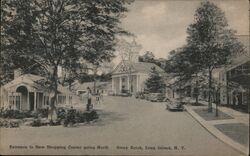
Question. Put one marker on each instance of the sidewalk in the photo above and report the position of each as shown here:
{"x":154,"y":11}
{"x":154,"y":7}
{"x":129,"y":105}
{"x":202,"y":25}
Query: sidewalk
{"x":230,"y":126}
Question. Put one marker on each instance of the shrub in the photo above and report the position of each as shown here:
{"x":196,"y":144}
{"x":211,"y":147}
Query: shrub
{"x":43,"y":112}
{"x":36,"y":123}
{"x":12,"y":114}
{"x":4,"y":123}
{"x":9,"y":124}
{"x":91,"y":116}
{"x":80,"y":117}
{"x":61,"y":113}
{"x":14,"y":124}
{"x":70,"y":117}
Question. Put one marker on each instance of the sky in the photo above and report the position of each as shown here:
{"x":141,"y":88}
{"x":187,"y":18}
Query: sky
{"x":160,"y":25}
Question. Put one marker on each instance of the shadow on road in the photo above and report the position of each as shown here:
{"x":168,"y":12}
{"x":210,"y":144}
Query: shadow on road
{"x":106,"y":118}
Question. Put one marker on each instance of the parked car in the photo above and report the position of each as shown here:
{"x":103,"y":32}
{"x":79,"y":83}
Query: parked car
{"x":125,"y":93}
{"x":156,"y":97}
{"x":138,"y":95}
{"x":141,"y":95}
{"x":176,"y":106}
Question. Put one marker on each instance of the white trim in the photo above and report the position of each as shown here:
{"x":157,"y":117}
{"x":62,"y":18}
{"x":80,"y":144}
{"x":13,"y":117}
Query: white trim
{"x":120,"y":84}
{"x":137,"y":83}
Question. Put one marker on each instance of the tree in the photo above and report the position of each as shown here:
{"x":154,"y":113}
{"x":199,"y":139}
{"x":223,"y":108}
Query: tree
{"x":155,"y":83}
{"x":50,"y":34}
{"x":212,"y":42}
{"x":180,"y":65}
{"x":147,"y":57}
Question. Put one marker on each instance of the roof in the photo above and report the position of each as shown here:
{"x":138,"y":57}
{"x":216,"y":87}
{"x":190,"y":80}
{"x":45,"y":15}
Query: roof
{"x":141,"y":67}
{"x":29,"y":80}
{"x":244,"y":39}
{"x":26,"y":79}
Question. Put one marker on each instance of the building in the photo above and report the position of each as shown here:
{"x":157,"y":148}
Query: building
{"x":131,"y":76}
{"x":26,"y":93}
{"x":236,"y":85}
{"x":235,"y":80}
{"x":101,"y":87}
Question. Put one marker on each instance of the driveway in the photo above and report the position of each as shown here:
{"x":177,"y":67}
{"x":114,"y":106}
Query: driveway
{"x":126,"y":126}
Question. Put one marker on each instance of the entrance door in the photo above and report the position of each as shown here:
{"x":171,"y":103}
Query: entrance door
{"x":21,"y":97}
{"x":31,"y":99}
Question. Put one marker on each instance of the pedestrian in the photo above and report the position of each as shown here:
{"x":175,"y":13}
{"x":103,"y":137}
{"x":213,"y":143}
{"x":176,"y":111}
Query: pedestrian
{"x":89,"y":96}
{"x":101,"y":96}
{"x":98,"y":97}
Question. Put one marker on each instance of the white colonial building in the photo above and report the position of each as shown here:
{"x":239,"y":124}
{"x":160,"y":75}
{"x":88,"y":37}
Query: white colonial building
{"x":131,"y":76}
{"x":25,"y":93}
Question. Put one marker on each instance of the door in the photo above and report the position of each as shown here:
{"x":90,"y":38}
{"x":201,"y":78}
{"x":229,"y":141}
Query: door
{"x":31,"y":100}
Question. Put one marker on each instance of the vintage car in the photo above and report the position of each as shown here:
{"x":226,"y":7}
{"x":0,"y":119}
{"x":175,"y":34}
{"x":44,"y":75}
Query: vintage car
{"x":175,"y":106}
{"x":156,"y":97}
{"x":141,"y":95}
{"x":125,"y":93}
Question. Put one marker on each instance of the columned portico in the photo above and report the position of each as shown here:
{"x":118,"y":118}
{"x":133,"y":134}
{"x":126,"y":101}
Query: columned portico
{"x":133,"y":80}
{"x":121,"y":83}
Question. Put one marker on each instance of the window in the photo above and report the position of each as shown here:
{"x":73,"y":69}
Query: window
{"x":70,"y":99}
{"x":123,"y":79}
{"x":15,"y":101}
{"x":61,"y":99}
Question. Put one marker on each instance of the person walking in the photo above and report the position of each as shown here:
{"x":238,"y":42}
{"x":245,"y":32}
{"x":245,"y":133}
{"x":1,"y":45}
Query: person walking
{"x":98,"y":97}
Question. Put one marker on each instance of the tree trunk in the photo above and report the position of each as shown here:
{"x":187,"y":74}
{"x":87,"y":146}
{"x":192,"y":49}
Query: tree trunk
{"x":54,"y":98}
{"x":180,"y":92}
{"x":95,"y":72}
{"x":94,"y":91}
{"x":196,"y":93}
{"x":209,"y":91}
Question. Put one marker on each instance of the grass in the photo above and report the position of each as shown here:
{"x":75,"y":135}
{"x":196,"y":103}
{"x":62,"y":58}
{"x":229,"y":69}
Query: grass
{"x":203,"y":112}
{"x":236,"y":131}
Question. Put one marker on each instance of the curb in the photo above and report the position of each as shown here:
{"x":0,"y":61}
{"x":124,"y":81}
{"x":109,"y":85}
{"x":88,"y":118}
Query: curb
{"x":218,"y":134}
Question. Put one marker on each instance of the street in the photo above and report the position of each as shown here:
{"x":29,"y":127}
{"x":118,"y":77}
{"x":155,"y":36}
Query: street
{"x":126,"y":126}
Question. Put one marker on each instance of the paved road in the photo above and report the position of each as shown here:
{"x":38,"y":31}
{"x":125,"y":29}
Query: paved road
{"x":125,"y":122}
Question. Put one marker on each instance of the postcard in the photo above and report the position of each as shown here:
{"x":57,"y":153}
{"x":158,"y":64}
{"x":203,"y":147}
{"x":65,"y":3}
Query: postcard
{"x":125,"y":77}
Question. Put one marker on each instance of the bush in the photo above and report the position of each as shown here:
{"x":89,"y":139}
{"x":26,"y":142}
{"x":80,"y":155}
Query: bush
{"x":91,"y":116}
{"x":13,"y":114}
{"x":70,"y":117}
{"x":43,"y":112}
{"x":80,"y":117}
{"x":55,"y":123}
{"x":61,"y":113}
{"x":9,"y":124}
{"x":36,"y":123}
{"x":14,"y":124}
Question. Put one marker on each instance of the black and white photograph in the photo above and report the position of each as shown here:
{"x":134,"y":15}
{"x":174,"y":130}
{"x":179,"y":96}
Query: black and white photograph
{"x":125,"y":77}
